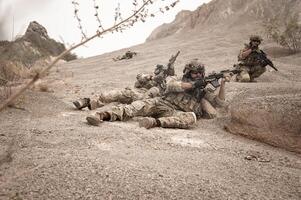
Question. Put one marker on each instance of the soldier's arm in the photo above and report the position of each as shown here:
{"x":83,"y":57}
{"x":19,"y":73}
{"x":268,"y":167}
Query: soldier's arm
{"x":174,"y":85}
{"x":218,"y":100}
{"x":221,"y":93}
{"x":244,"y":53}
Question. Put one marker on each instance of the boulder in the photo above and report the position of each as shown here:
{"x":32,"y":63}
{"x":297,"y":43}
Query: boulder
{"x":273,"y":119}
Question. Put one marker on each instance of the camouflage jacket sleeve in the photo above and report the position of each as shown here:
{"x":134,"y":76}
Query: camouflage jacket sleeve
{"x":173,"y":84}
{"x":240,"y":55}
{"x":214,"y":99}
{"x":144,"y":81}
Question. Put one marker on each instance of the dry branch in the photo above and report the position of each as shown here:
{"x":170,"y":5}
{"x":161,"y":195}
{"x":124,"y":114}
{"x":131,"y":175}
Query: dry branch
{"x":43,"y":72}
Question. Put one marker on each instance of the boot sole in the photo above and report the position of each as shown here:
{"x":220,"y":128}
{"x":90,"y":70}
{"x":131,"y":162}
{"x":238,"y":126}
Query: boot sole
{"x":77,"y":105}
{"x":145,"y":123}
{"x":93,"y":121}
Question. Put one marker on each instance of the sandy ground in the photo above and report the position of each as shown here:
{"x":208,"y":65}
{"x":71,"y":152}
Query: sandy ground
{"x":50,"y":152}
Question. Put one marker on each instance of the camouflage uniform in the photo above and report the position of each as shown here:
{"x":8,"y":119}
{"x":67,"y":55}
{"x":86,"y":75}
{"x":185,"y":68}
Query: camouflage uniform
{"x":145,"y":87}
{"x":176,"y":109}
{"x":127,"y":55}
{"x":250,"y":65}
{"x":144,"y":81}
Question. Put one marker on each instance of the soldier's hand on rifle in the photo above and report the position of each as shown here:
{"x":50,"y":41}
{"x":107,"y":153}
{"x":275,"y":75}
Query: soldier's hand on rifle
{"x":199,"y":84}
{"x":227,"y":77}
{"x":150,"y":77}
{"x":158,"y":78}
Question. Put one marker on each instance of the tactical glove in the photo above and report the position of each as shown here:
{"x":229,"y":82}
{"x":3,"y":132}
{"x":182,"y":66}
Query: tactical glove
{"x":199,"y":84}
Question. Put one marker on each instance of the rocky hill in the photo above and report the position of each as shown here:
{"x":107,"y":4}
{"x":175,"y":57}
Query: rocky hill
{"x":228,"y":14}
{"x":34,"y":45}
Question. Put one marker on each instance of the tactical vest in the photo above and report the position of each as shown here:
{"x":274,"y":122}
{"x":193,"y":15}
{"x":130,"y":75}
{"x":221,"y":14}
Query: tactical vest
{"x":252,"y":59}
{"x":185,"y":101}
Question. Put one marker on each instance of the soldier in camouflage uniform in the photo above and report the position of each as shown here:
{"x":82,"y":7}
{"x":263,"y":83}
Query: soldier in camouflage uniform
{"x":249,"y":65}
{"x":127,"y":55}
{"x":180,"y":107}
{"x":146,"y":86}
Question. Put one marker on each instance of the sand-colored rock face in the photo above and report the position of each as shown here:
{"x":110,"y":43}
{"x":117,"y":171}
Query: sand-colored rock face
{"x":33,"y":46}
{"x":227,"y":13}
{"x":274,"y":119}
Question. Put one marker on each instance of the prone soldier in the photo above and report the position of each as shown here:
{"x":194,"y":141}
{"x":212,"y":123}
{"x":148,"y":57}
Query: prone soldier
{"x":127,"y":55}
{"x":146,"y":86}
{"x":183,"y":103}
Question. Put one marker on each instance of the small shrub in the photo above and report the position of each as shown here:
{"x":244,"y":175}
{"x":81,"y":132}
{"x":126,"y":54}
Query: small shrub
{"x":69,"y":57}
{"x":9,"y":72}
{"x":287,"y":34}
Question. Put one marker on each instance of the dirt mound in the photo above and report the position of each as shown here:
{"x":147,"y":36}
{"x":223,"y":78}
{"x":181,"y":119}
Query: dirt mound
{"x":273,"y":118}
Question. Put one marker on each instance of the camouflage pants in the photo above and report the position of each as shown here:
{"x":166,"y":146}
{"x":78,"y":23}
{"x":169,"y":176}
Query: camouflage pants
{"x":124,"y":96}
{"x":250,"y":73}
{"x":158,"y":108}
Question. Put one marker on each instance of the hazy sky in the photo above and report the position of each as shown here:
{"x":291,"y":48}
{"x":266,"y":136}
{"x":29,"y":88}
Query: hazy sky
{"x":57,"y":16}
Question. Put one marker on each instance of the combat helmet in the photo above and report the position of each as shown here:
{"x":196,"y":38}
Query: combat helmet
{"x":159,"y":68}
{"x":194,"y":65}
{"x":256,"y":38}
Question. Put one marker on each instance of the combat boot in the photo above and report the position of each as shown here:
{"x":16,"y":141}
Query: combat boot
{"x":82,"y":103}
{"x":98,"y":118}
{"x":149,"y":122}
{"x":93,"y":104}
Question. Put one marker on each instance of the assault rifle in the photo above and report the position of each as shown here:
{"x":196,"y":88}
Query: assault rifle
{"x":161,"y":72}
{"x":263,"y":60}
{"x":214,"y":77}
{"x":169,"y":70}
{"x":170,"y":65}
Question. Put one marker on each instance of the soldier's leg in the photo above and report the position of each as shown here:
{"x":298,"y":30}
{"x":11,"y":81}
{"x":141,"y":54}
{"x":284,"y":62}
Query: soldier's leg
{"x":82,"y":103}
{"x":243,"y":76}
{"x":258,"y":71}
{"x":95,"y":103}
{"x":125,"y":96}
{"x":181,"y":120}
{"x":124,"y":112}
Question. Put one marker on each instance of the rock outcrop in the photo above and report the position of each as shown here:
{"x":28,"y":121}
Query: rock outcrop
{"x":272,"y":117}
{"x":31,"y":47}
{"x":230,"y":13}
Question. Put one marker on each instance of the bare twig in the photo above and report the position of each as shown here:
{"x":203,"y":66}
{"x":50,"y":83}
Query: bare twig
{"x":76,"y":10}
{"x":129,"y":21}
{"x":43,"y":72}
{"x":96,"y":7}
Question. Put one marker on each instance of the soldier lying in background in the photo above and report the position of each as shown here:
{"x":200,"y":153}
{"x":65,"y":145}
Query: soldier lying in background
{"x":183,"y":103}
{"x":253,"y":61}
{"x":127,"y":55}
{"x":146,"y":86}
